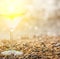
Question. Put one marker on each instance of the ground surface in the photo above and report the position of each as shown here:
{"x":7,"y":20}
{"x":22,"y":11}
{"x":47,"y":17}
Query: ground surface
{"x":37,"y":47}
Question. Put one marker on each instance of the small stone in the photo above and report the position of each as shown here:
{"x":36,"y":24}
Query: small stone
{"x":12,"y":52}
{"x":58,"y":44}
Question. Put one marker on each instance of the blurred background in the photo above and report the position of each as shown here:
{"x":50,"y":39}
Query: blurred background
{"x":38,"y":17}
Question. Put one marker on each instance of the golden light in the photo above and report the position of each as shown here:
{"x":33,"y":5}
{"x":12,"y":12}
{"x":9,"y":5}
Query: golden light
{"x":12,"y":8}
{"x":13,"y":12}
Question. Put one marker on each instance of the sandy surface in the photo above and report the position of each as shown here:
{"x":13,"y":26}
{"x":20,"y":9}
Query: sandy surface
{"x":37,"y":47}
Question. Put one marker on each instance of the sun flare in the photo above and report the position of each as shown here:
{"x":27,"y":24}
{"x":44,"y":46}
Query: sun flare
{"x":12,"y":8}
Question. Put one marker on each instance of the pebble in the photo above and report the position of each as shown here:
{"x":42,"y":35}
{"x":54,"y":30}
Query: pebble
{"x":9,"y":52}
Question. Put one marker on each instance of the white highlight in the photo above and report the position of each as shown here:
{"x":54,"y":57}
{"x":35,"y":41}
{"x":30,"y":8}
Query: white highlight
{"x":12,"y":52}
{"x":13,"y":23}
{"x":11,"y":9}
